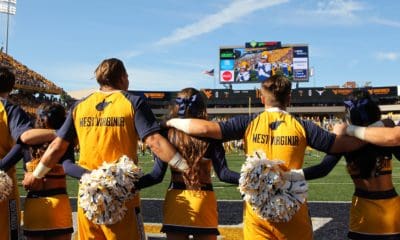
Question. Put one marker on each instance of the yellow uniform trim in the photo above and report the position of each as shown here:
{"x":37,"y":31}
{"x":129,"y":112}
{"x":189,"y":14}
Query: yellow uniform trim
{"x":375,"y":216}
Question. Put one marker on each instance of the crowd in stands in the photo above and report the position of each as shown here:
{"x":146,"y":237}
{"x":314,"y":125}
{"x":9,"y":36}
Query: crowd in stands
{"x":27,"y":79}
{"x":30,"y":101}
{"x":31,"y":88}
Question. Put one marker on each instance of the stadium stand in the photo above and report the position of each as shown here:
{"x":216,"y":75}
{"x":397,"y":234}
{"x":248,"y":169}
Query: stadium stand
{"x":307,"y":102}
{"x":27,"y":79}
{"x":31,"y":88}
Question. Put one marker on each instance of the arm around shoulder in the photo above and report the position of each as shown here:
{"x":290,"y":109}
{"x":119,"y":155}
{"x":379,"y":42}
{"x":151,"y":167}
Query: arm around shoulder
{"x":345,"y":143}
{"x":376,"y":133}
{"x":155,"y":176}
{"x":197,"y":127}
{"x":54,"y":152}
{"x":165,"y":151}
{"x":386,"y":136}
{"x":38,"y":136}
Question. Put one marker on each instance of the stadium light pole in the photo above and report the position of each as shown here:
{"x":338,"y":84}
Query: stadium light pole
{"x":8,"y":7}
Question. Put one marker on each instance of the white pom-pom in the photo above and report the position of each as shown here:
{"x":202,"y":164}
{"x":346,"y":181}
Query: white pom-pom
{"x":6,"y":186}
{"x":104,"y":191}
{"x":271,"y":196}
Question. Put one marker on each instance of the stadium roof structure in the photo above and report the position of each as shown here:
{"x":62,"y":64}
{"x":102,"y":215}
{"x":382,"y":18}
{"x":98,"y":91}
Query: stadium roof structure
{"x":79,"y":94}
{"x":27,"y":79}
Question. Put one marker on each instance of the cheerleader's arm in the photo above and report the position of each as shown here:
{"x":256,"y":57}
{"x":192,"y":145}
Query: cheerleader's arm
{"x":155,"y":176}
{"x":221,"y":166}
{"x":323,"y":168}
{"x":12,"y":157}
{"x":70,"y":167}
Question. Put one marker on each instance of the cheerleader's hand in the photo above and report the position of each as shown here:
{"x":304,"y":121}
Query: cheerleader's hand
{"x":30,"y":183}
{"x":299,"y":186}
{"x":340,"y":128}
{"x":294,"y":175}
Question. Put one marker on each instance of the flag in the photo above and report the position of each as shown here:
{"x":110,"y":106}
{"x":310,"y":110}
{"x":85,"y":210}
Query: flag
{"x":209,"y":72}
{"x":312,"y":72}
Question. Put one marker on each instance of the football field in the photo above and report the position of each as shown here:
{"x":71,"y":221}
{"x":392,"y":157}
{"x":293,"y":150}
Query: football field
{"x":337,"y":186}
{"x":329,"y":199}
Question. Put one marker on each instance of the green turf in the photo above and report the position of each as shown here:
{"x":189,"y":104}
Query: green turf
{"x":337,"y":186}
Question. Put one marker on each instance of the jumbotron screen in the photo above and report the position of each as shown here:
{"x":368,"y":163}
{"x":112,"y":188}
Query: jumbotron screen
{"x":257,"y":61}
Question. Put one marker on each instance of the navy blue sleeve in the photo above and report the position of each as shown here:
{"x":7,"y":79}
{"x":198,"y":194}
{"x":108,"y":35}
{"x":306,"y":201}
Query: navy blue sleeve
{"x":317,"y":137}
{"x":216,"y":152}
{"x":145,"y":122}
{"x":18,"y":121}
{"x":322,"y":169}
{"x":235,"y":127}
{"x":12,"y":157}
{"x":68,"y":162}
{"x":67,"y":130}
{"x":396,"y":152}
{"x":155,"y":176}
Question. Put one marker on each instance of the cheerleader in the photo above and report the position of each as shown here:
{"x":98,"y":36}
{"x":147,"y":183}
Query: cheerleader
{"x":375,"y":208}
{"x":47,"y":210}
{"x":190,"y":206}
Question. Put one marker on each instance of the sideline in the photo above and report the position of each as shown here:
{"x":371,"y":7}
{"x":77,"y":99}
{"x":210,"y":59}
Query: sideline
{"x":330,"y":219}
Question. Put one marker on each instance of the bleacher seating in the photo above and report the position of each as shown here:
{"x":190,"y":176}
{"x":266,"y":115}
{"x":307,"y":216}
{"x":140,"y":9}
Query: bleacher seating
{"x":31,"y":89}
{"x":27,"y":79}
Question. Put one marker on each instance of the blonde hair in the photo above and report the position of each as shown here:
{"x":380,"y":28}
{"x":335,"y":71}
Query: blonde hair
{"x":109,"y":72}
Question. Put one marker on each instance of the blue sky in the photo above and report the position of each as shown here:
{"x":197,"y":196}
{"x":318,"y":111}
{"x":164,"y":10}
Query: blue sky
{"x":167,"y":44}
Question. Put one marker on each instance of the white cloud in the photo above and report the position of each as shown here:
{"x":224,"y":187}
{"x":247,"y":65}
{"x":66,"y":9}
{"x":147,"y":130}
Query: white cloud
{"x":386,"y":22}
{"x":130,"y":54}
{"x":390,"y":56}
{"x":339,"y":8}
{"x":231,"y":13}
{"x":331,"y":12}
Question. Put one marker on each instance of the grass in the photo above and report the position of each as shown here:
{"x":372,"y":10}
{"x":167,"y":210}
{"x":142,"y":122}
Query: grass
{"x":337,"y":186}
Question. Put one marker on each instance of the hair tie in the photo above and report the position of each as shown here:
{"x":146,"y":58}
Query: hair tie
{"x":361,"y":106}
{"x":358,"y":106}
{"x":185,"y":103}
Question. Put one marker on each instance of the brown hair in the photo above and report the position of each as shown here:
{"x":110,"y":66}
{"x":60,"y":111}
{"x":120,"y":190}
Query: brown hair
{"x":50,"y":116}
{"x":7,"y":80}
{"x":109,"y":72}
{"x":189,"y":104}
{"x":276,"y":90}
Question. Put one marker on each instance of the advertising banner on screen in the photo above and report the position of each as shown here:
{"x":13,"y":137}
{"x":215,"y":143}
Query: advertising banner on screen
{"x":300,"y":63}
{"x":226,"y":76}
